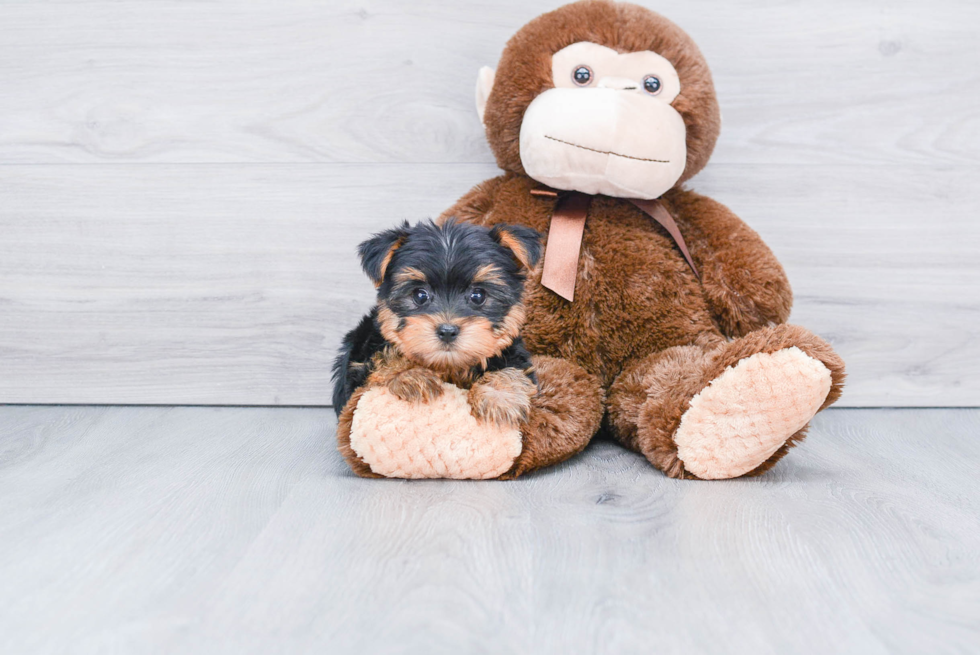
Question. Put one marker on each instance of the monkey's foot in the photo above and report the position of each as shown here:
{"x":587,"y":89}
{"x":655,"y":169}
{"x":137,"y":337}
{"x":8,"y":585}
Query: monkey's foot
{"x":748,"y":412}
{"x":441,"y":438}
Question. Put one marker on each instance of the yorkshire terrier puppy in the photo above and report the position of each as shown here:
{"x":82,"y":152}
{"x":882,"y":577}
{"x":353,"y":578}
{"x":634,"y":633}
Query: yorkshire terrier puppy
{"x":449,"y":310}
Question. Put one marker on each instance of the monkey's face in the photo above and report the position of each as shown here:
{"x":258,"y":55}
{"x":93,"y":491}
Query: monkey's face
{"x":627,"y":110}
{"x":608,"y":126}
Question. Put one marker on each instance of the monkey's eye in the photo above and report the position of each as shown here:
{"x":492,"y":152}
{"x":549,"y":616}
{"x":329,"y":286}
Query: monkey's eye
{"x":478,"y":296}
{"x":652,"y":84}
{"x":582,"y":75}
{"x":420,"y":296}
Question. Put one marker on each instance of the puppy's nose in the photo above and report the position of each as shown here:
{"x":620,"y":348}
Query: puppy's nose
{"x":447,"y":332}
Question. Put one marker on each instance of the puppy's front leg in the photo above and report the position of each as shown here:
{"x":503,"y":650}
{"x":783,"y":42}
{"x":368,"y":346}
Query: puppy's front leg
{"x":405,"y":380}
{"x":418,"y":385}
{"x":502,"y":397}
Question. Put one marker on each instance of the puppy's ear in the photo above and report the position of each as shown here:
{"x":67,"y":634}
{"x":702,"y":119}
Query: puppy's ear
{"x":524,"y":242}
{"x":376,"y":252}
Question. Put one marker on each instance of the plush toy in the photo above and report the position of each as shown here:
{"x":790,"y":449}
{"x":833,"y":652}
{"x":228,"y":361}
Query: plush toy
{"x":657,"y":316}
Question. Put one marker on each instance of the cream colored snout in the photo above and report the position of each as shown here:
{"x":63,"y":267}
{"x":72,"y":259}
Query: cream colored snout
{"x":607,"y":140}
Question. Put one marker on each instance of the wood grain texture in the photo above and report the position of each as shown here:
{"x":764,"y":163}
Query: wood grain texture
{"x":215,"y":284}
{"x":200,"y":530}
{"x":182,"y":184}
{"x":831,"y":82}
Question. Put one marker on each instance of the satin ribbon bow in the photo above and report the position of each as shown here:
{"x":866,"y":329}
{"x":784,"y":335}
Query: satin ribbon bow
{"x":565,"y":237}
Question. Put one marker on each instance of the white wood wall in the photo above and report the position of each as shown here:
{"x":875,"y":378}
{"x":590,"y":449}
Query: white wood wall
{"x":182,"y":184}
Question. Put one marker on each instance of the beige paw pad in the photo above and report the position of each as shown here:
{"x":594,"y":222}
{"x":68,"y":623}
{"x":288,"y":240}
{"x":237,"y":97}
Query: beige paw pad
{"x":438,"y":439}
{"x":745,"y":414}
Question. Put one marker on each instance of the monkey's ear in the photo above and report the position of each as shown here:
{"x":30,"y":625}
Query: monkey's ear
{"x":484,"y":85}
{"x":376,"y":252}
{"x":524,"y":242}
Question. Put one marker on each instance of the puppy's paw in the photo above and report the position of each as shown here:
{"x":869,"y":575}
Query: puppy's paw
{"x":502,"y":397}
{"x":416,"y":385}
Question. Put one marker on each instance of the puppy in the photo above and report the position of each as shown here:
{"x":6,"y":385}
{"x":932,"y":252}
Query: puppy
{"x":449,"y":310}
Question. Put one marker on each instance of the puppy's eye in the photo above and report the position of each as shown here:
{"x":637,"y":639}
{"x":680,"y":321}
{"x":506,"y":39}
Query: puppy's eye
{"x":652,"y":84}
{"x":420,"y":296}
{"x":582,"y":75}
{"x":478,"y":296}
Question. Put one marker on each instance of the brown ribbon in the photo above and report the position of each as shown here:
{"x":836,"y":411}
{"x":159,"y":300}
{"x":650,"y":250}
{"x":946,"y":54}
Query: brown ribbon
{"x":564,"y":243}
{"x":565,"y":237}
{"x":656,"y":210}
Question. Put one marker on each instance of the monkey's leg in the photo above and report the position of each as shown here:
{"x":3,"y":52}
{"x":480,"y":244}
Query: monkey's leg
{"x":381,"y":435}
{"x":565,"y":414}
{"x":729,"y":411}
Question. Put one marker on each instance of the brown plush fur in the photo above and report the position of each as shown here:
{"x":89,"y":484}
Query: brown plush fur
{"x":565,"y":414}
{"x":358,"y":465}
{"x":641,"y":323}
{"x":648,"y":400}
{"x":635,"y":298}
{"x":635,"y":295}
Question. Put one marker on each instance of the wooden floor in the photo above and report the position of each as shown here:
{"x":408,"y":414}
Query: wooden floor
{"x":209,"y":530}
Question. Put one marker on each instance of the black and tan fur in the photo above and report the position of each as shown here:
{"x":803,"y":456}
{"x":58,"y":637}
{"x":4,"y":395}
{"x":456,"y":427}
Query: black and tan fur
{"x":451,"y":277}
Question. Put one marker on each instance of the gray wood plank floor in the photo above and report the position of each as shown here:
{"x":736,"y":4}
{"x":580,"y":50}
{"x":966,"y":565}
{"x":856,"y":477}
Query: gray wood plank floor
{"x":209,"y":530}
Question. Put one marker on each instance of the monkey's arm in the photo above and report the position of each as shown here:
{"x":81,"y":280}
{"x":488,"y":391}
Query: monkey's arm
{"x":353,"y":363}
{"x":742,"y":280}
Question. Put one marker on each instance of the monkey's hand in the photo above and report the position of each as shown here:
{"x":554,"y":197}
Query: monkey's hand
{"x":502,"y":397}
{"x":418,"y":385}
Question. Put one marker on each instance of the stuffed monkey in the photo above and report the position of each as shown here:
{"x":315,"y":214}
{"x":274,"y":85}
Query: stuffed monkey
{"x":657,"y":316}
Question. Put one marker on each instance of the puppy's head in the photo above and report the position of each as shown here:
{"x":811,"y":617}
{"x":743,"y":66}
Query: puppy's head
{"x":449,"y":296}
